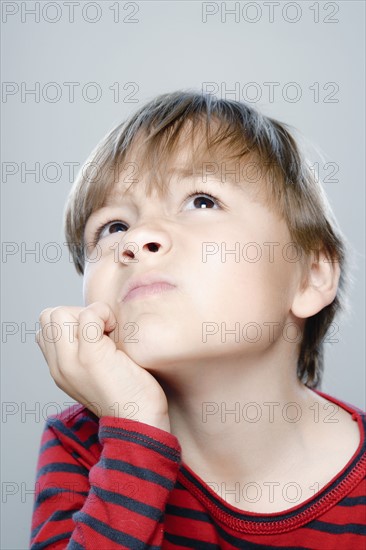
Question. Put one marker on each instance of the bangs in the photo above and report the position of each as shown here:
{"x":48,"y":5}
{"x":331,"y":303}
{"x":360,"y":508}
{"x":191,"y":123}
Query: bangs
{"x":200,"y":147}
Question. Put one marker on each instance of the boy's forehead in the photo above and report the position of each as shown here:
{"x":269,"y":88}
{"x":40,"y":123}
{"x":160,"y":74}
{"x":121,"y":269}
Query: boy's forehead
{"x":123,"y":189}
{"x":186,"y":163}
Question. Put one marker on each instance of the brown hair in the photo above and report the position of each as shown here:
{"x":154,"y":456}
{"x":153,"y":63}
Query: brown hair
{"x":233,"y":131}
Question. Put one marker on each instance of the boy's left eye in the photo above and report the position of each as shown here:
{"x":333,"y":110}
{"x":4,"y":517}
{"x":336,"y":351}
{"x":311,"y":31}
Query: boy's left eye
{"x":201,"y":195}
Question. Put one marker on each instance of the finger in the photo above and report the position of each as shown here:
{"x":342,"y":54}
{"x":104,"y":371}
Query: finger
{"x":44,"y":336}
{"x":54,"y":334}
{"x":96,"y":320}
{"x":105,"y":313}
{"x":65,"y":324}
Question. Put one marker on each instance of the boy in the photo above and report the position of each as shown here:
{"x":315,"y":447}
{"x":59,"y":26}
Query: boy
{"x":212,"y":271}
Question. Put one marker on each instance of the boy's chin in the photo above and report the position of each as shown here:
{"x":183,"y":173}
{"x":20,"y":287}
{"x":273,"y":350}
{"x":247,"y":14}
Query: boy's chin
{"x":151,"y":358}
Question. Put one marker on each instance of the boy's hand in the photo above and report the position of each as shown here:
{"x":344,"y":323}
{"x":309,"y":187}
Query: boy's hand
{"x":86,"y":364}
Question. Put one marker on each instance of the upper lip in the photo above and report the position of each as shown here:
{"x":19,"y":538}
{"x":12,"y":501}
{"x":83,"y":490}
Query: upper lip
{"x":145,"y":280}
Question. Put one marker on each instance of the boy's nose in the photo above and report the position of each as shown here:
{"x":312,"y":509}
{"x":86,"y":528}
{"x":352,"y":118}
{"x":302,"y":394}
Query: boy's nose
{"x":144,"y":240}
{"x":132,"y":253}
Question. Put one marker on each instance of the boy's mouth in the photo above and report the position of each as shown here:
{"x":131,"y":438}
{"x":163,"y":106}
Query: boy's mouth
{"x":148,"y":290}
{"x":146,"y":284}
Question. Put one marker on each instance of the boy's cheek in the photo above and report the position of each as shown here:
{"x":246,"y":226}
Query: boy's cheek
{"x":87,"y":286}
{"x":95,"y":287}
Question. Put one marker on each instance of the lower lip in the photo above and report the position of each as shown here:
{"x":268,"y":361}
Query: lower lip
{"x":148,"y":290}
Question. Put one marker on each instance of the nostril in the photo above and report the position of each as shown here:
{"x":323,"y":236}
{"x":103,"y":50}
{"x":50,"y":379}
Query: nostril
{"x":153,"y":247}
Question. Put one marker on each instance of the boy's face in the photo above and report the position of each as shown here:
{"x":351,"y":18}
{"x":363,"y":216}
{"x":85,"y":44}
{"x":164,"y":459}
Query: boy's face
{"x":231,"y":262}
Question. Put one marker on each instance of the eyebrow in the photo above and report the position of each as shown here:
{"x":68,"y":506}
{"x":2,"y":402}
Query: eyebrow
{"x":182,"y":174}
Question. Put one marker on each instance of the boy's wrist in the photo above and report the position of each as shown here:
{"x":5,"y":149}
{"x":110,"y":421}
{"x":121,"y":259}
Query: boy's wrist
{"x":160,"y":421}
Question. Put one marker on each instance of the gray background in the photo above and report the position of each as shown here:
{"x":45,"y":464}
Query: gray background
{"x":168,"y":47}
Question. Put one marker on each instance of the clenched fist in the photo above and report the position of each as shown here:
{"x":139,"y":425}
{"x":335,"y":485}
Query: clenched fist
{"x":92,"y":370}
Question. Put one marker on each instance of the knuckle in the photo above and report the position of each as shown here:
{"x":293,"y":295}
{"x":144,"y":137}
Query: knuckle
{"x":45,"y":313}
{"x":101,"y":304}
{"x":87,"y":313}
{"x":84,"y":310}
{"x":57,"y":311}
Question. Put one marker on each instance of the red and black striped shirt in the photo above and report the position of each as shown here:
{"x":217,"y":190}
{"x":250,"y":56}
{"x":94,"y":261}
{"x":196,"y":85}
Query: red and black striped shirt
{"x":113,"y":483}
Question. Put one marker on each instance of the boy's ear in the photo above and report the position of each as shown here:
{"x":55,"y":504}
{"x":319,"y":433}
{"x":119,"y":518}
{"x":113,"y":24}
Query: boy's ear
{"x":320,"y":287}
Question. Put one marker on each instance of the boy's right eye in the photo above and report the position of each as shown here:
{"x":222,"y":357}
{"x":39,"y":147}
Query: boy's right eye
{"x":98,"y":234}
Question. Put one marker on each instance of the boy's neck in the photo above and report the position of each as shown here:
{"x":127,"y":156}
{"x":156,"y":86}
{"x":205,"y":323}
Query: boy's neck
{"x":228,"y":417}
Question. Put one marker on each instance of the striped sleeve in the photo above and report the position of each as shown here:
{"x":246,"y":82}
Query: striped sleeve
{"x":116,"y":502}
